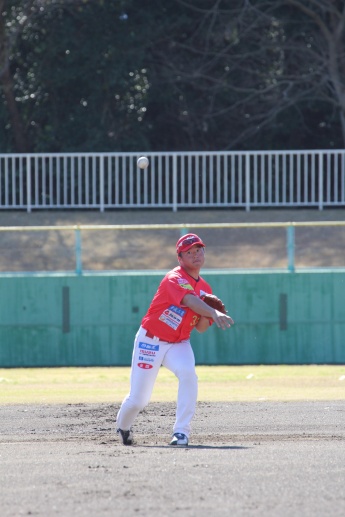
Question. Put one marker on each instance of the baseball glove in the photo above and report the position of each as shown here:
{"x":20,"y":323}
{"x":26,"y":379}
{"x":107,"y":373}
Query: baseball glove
{"x":213,"y":301}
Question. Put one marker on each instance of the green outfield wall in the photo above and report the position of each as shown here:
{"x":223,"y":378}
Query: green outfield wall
{"x":67,"y":320}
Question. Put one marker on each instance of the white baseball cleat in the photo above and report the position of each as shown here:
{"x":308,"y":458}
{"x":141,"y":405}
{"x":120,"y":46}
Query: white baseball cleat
{"x":179,"y":439}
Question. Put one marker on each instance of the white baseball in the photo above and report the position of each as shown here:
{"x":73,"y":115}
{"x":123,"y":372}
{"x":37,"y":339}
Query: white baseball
{"x":143,"y":162}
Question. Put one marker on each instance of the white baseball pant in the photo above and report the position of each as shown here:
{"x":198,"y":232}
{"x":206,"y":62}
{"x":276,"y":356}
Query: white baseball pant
{"x":149,"y":354}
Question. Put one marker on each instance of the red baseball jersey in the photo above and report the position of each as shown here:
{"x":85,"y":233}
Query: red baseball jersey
{"x":166,"y":318}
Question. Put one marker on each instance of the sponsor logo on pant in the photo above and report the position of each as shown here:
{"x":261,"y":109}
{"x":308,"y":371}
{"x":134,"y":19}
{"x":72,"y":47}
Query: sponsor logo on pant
{"x":147,"y":352}
{"x":148,"y":346}
{"x":146,"y":359}
{"x":145,"y":366}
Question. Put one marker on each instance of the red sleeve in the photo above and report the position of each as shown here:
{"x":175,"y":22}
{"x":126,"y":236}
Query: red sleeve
{"x":177,"y":288}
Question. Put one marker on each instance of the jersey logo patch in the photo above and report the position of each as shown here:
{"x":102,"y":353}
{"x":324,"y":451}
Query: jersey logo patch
{"x":172,"y":316}
{"x":185,"y":284}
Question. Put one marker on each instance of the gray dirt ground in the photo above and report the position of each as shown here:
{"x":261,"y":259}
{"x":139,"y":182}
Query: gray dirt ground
{"x":154,"y":249}
{"x":245,"y":459}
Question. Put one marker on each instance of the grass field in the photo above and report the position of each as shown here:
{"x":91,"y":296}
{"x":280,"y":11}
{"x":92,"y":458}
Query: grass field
{"x":216,"y":383}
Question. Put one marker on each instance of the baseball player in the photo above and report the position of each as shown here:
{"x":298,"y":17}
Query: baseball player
{"x":183,"y":301}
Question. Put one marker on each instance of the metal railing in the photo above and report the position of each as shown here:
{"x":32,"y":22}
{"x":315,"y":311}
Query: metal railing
{"x":311,"y":178}
{"x":183,"y":228}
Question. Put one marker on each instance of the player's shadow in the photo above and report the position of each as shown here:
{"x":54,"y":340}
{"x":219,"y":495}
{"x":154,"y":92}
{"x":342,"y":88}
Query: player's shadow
{"x":231,"y":447}
{"x":213,"y":447}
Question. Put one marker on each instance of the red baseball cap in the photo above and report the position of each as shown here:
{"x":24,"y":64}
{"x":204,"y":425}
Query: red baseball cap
{"x":187,"y":241}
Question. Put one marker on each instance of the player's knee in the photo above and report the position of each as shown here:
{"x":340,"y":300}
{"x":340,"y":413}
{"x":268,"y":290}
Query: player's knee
{"x":187,"y":373}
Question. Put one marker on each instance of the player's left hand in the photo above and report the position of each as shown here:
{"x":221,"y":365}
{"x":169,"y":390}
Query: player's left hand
{"x":213,"y":301}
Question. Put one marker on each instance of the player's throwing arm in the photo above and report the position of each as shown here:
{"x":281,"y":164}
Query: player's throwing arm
{"x":209,"y":306}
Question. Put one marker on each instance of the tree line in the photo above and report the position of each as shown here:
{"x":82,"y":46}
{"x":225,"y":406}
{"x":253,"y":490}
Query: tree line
{"x":153,"y":75}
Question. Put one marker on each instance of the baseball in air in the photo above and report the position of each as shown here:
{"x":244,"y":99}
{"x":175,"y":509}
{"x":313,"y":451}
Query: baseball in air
{"x":143,"y":162}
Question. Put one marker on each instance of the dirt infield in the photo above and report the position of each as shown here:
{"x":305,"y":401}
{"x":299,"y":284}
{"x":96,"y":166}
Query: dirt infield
{"x":262,"y":459}
{"x":244,"y":459}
